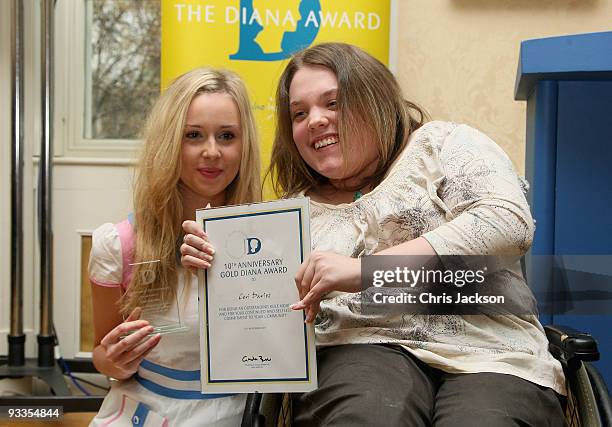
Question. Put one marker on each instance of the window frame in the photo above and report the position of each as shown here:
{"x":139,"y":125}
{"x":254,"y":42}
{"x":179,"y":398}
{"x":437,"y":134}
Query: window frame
{"x":72,"y":42}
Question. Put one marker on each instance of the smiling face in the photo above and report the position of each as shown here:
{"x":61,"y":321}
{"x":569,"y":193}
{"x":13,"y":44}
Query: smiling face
{"x":211,"y":147}
{"x":314,"y":116}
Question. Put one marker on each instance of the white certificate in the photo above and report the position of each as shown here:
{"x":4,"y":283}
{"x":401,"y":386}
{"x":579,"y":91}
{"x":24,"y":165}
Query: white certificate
{"x":250,"y":340}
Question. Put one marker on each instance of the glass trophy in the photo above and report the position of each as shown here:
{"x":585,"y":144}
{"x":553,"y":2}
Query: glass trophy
{"x":159,"y":304}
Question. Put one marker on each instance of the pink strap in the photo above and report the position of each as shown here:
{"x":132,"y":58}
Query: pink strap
{"x":128,"y":245}
{"x":118,"y":414}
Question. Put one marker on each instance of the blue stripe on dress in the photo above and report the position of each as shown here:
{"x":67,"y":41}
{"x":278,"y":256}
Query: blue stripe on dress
{"x":173,"y":393}
{"x":175,"y":374}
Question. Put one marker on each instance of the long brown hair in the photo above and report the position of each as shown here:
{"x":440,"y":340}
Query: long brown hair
{"x":158,"y":206}
{"x":369,"y":98}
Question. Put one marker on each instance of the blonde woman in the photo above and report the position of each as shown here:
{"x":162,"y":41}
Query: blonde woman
{"x":200,"y":148}
{"x":383,"y":182}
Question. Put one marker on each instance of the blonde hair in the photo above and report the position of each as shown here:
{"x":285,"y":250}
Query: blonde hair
{"x":158,"y":207}
{"x":368,"y":97}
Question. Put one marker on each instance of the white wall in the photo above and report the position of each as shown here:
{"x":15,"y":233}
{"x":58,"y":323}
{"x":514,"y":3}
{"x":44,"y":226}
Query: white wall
{"x":84,"y":197}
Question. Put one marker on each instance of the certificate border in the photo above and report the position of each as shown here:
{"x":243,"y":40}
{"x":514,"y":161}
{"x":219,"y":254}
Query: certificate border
{"x":306,"y":379}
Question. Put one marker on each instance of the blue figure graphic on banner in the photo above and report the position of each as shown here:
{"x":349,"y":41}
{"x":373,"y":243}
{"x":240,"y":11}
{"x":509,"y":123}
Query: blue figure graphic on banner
{"x":293,"y":41}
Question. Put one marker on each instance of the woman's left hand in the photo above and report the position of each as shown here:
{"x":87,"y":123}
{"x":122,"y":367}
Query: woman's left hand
{"x":196,"y":250}
{"x":321,"y":273}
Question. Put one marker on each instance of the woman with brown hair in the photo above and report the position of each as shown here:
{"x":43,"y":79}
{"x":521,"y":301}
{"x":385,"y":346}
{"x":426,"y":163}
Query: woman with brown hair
{"x":383,"y":182}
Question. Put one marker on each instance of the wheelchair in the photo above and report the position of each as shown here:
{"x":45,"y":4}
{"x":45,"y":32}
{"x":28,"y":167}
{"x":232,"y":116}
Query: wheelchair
{"x":587,"y":404}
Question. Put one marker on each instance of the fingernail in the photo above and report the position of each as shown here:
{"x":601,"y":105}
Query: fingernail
{"x":295,"y":306}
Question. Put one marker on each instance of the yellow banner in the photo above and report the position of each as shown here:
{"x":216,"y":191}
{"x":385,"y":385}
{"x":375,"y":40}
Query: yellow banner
{"x":255,"y":38}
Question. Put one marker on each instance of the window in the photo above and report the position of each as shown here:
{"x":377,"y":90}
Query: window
{"x":122,"y":66}
{"x":107,"y":71}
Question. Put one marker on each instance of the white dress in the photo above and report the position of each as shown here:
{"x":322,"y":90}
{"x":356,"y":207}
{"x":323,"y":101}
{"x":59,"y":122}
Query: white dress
{"x":457,"y":189}
{"x":166,"y":389}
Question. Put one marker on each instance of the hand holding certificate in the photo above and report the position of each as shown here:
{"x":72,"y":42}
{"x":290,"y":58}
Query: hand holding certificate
{"x":250,"y":340}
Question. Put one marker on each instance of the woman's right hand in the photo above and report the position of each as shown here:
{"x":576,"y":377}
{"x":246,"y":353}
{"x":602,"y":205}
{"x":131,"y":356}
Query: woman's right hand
{"x":196,"y":250}
{"x":126,"y":345}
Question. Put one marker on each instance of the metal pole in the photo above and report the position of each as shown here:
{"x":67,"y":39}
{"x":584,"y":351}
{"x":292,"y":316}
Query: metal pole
{"x":16,"y":337}
{"x":45,"y":336}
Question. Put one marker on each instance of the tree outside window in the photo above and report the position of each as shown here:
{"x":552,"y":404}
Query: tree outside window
{"x":123,"y":66}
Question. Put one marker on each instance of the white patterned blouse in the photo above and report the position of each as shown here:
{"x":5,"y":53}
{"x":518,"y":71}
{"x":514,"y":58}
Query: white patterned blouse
{"x":456,"y":188}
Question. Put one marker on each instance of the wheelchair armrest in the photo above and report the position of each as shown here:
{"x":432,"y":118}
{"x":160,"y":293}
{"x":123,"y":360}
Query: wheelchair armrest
{"x":251,"y":416}
{"x":262,"y":410}
{"x":571,"y":346}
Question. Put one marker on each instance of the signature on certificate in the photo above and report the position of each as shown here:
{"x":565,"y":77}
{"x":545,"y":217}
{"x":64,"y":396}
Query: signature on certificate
{"x":257,"y":358}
